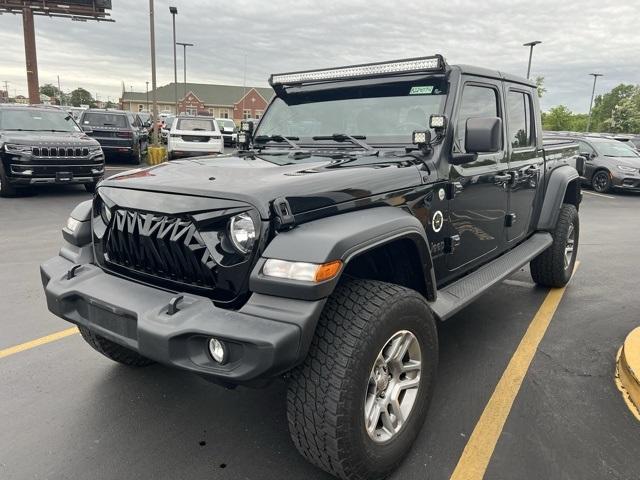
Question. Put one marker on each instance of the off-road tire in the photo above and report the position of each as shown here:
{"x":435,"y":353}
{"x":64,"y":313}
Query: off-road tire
{"x":325,"y":398}
{"x":6,"y":189}
{"x":113,"y":351}
{"x":548,"y":269}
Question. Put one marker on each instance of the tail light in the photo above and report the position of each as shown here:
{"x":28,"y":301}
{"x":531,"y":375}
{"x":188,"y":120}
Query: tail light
{"x":124,"y":134}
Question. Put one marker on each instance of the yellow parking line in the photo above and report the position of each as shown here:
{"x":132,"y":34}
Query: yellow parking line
{"x":38,"y":341}
{"x":479,"y":449}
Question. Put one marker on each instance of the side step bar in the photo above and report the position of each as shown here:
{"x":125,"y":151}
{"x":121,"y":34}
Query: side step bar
{"x":459,"y":294}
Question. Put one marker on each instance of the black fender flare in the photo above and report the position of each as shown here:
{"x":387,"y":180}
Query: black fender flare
{"x":557,"y":183}
{"x":340,"y":237}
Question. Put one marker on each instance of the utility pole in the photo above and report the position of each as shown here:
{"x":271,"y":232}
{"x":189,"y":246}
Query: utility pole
{"x":59,"y":92}
{"x":153,"y":73}
{"x":174,"y":12}
{"x":530,"y":45}
{"x":6,"y":89}
{"x":147,"y":82}
{"x":184,"y":57}
{"x":30,"y":55}
{"x":593,"y":91}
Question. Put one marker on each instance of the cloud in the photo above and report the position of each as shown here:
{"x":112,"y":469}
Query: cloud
{"x":579,"y":37}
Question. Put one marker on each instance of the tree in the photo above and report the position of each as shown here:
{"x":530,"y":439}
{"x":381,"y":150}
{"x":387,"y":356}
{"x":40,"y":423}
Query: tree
{"x":558,"y":118}
{"x":625,"y":117}
{"x":80,"y":96}
{"x":540,"y":86}
{"x":604,"y":105}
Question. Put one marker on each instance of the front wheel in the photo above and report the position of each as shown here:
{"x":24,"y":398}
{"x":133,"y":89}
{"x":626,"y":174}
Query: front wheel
{"x":601,"y":181}
{"x":357,"y":403}
{"x":6,"y":189}
{"x":554,"y":266}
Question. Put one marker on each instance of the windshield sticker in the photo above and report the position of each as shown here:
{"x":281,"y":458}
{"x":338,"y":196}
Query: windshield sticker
{"x":424,"y":90}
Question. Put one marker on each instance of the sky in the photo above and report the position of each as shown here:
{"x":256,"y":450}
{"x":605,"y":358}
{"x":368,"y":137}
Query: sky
{"x":242,"y":39}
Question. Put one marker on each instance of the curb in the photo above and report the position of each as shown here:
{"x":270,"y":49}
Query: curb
{"x":628,"y":371}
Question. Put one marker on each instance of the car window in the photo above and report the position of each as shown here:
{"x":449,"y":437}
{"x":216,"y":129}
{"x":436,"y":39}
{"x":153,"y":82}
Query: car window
{"x":519,"y":122}
{"x":99,"y":119}
{"x":197,"y":124}
{"x":585,"y":147}
{"x":477,"y":101}
{"x":614,"y":148}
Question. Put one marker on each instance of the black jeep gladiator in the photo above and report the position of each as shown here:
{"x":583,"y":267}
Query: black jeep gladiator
{"x":41,"y":144}
{"x":369,"y":203}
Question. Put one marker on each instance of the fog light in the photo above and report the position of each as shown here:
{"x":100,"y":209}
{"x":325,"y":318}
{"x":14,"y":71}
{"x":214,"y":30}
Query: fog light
{"x":218,"y":351}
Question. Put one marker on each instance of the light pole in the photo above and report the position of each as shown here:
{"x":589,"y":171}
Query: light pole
{"x":147,"y":82}
{"x":153,"y":73}
{"x":593,"y":91}
{"x":174,"y":12}
{"x":530,"y":45}
{"x":184,"y":56}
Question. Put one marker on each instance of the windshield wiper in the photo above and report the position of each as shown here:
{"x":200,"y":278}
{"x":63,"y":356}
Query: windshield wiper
{"x":342,"y":137}
{"x":279,"y":139}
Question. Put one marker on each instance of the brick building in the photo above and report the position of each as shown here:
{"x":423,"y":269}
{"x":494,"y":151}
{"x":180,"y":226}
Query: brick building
{"x":221,"y":101}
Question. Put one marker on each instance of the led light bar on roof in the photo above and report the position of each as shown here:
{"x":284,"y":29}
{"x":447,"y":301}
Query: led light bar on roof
{"x":411,"y":65}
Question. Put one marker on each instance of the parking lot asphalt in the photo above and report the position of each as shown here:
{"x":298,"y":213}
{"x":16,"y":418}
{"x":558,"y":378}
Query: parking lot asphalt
{"x":69,"y":413}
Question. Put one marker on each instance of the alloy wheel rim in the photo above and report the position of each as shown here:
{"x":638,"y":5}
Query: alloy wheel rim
{"x":569,"y":247}
{"x":392,"y":389}
{"x":601,"y":181}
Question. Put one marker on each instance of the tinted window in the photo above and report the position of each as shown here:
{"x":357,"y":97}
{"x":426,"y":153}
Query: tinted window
{"x":37,"y":120}
{"x":613,"y":148}
{"x":201,"y":124}
{"x":476,"y":102}
{"x":520,"y":131}
{"x":99,"y":119}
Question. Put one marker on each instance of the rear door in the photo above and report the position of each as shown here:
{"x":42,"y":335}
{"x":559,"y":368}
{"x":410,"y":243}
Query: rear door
{"x":477,"y":209}
{"x":526,"y":161}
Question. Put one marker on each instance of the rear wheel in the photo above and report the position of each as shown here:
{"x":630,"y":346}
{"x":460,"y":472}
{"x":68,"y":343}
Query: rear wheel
{"x":554,"y":266}
{"x":357,"y":403}
{"x":113,"y":351}
{"x":136,"y":155}
{"x":601,"y":181}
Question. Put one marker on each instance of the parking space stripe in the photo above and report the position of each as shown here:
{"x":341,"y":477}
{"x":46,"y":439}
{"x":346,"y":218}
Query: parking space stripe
{"x":476,"y":455}
{"x":38,"y":341}
{"x":599,"y":195}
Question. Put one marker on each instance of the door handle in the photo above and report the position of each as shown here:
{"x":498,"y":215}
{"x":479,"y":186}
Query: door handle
{"x":533,"y":169}
{"x":501,"y":178}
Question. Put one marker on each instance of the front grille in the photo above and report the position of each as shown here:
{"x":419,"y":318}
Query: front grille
{"x":160,"y":246}
{"x":60,"y":152}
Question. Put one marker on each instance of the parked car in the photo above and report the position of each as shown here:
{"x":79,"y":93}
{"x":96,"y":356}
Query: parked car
{"x":75,"y":112}
{"x":381,"y":199}
{"x":229,"y":131}
{"x":610,"y":164}
{"x":43,"y":145}
{"x":194,"y":136}
{"x":165,"y":126}
{"x":119,"y":132}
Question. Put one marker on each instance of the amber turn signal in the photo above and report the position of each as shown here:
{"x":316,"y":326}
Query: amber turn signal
{"x":327,"y":271}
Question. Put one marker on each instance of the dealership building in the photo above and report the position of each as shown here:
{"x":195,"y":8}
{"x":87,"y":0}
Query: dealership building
{"x":220,"y":101}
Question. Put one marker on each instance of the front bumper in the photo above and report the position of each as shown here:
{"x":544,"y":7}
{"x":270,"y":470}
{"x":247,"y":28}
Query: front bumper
{"x":622,"y":182}
{"x":266,"y":337}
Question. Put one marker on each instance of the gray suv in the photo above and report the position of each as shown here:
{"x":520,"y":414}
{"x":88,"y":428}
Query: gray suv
{"x":609,"y":164}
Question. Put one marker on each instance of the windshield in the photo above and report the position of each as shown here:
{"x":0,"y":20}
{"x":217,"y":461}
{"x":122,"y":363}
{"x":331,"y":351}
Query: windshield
{"x":381,"y":113}
{"x":98,"y":119}
{"x":614,"y":148}
{"x":197,"y":124}
{"x":37,"y":120}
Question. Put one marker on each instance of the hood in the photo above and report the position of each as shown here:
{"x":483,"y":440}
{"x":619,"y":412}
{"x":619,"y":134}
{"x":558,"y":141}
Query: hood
{"x":309,"y":184}
{"x":72,"y":139}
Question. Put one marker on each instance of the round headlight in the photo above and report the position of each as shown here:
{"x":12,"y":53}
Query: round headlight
{"x":242,"y":232}
{"x":105,"y":213}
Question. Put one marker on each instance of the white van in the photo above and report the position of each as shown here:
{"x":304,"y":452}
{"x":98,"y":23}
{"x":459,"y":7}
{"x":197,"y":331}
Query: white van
{"x":194,"y":136}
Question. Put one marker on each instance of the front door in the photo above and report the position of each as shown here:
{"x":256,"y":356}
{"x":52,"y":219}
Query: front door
{"x":526,"y":163}
{"x":478,"y":207}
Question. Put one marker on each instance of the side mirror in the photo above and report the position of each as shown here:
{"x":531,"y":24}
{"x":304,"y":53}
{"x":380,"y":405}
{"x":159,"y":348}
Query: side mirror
{"x":87,"y":129}
{"x":483,"y":135}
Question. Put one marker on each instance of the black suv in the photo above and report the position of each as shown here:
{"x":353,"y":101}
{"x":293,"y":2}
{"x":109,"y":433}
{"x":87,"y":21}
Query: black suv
{"x":41,"y":144}
{"x":610,"y":164}
{"x":119,"y":132}
{"x":370,"y":203}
